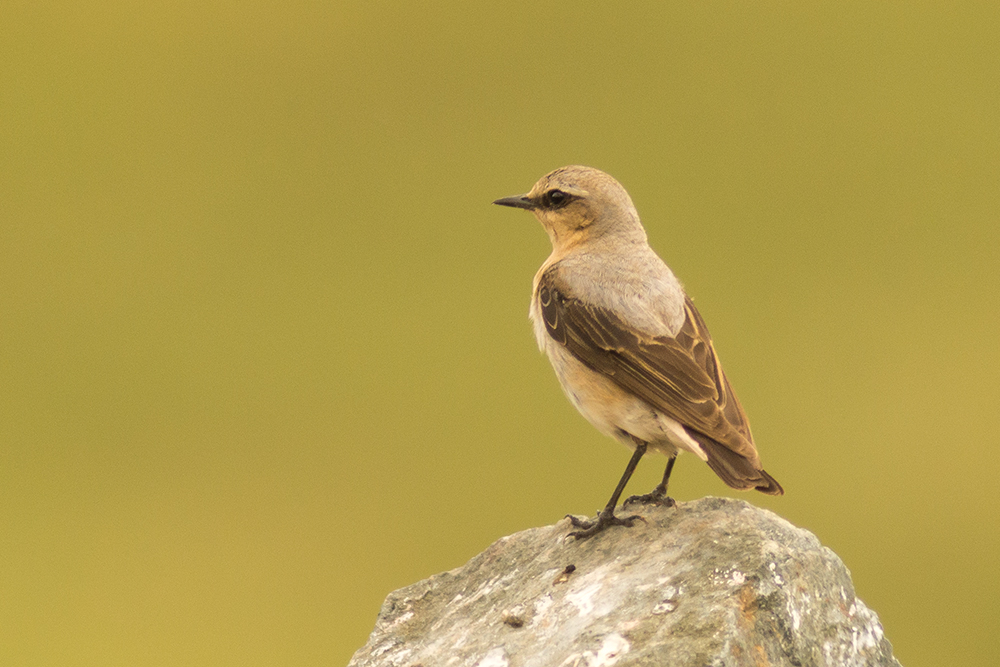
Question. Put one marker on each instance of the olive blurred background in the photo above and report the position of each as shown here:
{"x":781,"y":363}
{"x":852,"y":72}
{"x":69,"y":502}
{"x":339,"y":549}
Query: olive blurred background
{"x":264,"y":343}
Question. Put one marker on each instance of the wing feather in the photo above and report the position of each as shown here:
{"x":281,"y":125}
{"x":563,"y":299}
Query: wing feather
{"x":680,"y":375}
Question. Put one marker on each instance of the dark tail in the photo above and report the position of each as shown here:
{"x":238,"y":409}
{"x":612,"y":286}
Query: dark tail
{"x":735,"y":469}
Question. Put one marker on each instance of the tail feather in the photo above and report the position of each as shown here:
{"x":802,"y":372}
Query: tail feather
{"x":735,"y":469}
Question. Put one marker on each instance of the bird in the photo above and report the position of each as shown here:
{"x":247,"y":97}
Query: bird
{"x":628,"y":346}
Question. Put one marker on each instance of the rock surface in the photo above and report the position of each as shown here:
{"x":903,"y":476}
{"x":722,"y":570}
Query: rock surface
{"x":711,"y":582}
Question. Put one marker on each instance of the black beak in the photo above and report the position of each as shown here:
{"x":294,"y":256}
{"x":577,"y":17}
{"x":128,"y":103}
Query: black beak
{"x":517,"y":201}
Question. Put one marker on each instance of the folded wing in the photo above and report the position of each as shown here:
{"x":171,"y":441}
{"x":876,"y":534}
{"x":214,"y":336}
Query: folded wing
{"x":680,"y":376}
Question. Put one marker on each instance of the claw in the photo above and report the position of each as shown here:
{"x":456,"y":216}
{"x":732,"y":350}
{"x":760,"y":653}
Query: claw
{"x":656,"y":497}
{"x":605,"y":519}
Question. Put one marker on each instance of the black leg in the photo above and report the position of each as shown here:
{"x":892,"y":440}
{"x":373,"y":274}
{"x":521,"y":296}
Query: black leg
{"x":606,"y":517}
{"x":657,"y":496}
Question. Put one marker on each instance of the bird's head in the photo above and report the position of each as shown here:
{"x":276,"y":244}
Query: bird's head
{"x":577,"y":205}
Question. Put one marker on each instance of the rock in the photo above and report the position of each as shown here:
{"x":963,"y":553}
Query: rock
{"x":711,"y":582}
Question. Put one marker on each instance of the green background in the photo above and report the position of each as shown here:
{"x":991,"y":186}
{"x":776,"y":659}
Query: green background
{"x":264,"y":349}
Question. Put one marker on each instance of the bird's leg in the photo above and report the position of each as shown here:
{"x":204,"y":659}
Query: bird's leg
{"x":606,"y":517}
{"x":657,"y":496}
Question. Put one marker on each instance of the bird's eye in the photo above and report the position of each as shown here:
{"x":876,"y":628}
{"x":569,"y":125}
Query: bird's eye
{"x":557,"y":198}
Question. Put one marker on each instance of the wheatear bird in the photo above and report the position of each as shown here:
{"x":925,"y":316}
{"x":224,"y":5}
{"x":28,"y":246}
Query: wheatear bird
{"x":628,"y":346}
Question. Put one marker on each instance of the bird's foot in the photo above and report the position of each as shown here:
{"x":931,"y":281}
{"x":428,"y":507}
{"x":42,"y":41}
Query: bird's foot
{"x":605,"y":519}
{"x":657,"y":496}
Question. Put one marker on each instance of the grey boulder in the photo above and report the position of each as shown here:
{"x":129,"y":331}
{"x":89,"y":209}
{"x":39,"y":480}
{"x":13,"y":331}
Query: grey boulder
{"x":713,"y":582}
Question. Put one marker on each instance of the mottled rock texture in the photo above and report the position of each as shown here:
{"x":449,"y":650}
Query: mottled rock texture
{"x":710,"y":582}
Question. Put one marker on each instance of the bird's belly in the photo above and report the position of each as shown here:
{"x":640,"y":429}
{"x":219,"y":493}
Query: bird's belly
{"x":614,"y":411}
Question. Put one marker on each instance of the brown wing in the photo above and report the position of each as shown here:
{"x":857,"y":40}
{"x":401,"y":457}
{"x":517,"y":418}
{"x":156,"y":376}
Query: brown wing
{"x":680,"y":376}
